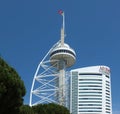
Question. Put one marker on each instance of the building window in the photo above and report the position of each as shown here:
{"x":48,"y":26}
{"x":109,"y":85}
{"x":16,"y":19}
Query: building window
{"x":107,"y":76}
{"x":90,"y":82}
{"x":90,"y":74}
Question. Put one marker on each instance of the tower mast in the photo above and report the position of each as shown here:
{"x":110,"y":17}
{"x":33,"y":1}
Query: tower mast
{"x":63,"y":27}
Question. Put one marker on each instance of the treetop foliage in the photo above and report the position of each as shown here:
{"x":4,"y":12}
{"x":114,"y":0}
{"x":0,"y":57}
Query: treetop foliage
{"x":50,"y":108}
{"x":12,"y":89}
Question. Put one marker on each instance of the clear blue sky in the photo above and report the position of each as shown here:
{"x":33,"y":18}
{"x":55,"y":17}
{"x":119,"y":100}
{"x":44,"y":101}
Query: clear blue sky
{"x":28,"y":29}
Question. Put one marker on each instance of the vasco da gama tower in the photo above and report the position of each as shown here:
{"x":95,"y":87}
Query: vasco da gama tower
{"x":83,"y":90}
{"x":51,"y":81}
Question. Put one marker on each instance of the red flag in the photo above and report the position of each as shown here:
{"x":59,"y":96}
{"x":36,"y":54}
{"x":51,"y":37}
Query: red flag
{"x":60,"y":12}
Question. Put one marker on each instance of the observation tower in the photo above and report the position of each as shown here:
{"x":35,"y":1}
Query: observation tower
{"x":50,"y":83}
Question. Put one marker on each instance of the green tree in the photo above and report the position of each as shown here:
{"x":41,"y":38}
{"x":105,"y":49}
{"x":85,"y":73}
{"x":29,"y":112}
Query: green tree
{"x":50,"y":109}
{"x":25,"y":109}
{"x":12,"y":89}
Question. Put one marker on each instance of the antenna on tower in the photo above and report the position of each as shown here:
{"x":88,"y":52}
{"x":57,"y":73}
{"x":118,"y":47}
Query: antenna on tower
{"x":63,"y":27}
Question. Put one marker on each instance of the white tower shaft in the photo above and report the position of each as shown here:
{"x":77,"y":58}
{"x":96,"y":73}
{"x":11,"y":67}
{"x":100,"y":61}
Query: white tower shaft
{"x":62,"y":83}
{"x":62,"y":68}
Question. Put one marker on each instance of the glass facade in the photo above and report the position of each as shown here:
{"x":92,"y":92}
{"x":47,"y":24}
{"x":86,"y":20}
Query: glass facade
{"x":62,"y":51}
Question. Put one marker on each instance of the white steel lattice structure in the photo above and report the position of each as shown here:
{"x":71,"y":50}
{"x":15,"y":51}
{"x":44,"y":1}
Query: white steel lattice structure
{"x":51,"y":81}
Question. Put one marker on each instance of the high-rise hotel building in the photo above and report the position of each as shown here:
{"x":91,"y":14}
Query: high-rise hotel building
{"x":90,"y":90}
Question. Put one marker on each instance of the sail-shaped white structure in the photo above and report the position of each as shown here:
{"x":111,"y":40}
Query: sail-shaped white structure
{"x":51,"y":81}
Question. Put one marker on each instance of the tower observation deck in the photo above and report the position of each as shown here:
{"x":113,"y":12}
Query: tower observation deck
{"x":50,"y":79}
